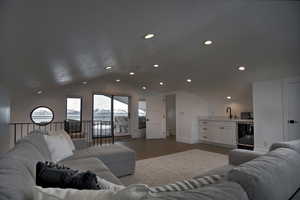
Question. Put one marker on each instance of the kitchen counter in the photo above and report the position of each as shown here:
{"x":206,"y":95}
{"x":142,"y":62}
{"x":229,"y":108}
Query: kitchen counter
{"x":224,"y":131}
{"x":225,"y":119}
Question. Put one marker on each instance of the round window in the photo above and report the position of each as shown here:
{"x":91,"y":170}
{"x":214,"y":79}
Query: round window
{"x":42,"y":115}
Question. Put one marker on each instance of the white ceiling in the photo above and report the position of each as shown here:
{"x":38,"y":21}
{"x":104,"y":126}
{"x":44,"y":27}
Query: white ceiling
{"x":47,"y":44}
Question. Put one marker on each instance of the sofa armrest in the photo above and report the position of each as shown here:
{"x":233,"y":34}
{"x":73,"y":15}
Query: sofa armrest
{"x":240,"y":156}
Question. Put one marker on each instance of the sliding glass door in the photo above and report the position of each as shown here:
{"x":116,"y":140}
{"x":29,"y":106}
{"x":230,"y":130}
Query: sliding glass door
{"x":121,"y":115}
{"x":110,"y":115}
{"x":102,"y":115}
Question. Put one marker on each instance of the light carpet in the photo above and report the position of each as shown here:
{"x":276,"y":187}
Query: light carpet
{"x":174,"y":167}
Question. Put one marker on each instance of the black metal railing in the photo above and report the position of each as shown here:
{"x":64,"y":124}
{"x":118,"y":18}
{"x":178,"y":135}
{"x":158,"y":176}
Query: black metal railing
{"x":91,"y":132}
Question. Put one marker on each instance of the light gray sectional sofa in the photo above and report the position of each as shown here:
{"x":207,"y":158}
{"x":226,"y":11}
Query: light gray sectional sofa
{"x":17,"y":167}
{"x":252,"y":176}
{"x":249,"y":175}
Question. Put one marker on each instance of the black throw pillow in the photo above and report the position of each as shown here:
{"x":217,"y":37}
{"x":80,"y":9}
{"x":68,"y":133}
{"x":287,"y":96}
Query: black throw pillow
{"x":49,"y":174}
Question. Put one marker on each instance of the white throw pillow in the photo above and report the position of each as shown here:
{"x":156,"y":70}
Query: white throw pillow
{"x":58,"y":146}
{"x":40,"y":193}
{"x":66,"y":135}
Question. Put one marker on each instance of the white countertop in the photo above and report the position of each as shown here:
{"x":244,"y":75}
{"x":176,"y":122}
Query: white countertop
{"x":224,"y":119}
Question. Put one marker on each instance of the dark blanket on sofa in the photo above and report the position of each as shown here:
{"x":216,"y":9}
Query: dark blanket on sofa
{"x":53,"y":175}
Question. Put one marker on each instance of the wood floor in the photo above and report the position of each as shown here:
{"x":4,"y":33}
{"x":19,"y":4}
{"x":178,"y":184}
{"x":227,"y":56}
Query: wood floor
{"x":154,"y":148}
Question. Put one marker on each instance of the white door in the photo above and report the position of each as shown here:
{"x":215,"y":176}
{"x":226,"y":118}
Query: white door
{"x":292,"y":109}
{"x":156,"y":122}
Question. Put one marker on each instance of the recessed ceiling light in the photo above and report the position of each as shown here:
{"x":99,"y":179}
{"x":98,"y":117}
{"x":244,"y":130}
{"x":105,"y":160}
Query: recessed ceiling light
{"x":149,"y":36}
{"x":156,"y":65}
{"x":208,"y":42}
{"x":189,"y":80}
{"x":84,"y":82}
{"x":228,"y":97}
{"x":118,"y":80}
{"x":131,"y":73}
{"x":144,"y":87}
{"x":108,"y":68}
{"x":161,"y":83}
{"x":241,"y":68}
{"x":40,"y":92}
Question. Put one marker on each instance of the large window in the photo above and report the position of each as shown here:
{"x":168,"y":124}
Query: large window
{"x":42,"y":115}
{"x":121,"y":115}
{"x":74,"y":109}
{"x":110,"y":111}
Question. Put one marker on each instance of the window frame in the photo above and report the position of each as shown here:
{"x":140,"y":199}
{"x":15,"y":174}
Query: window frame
{"x":42,"y":124}
{"x":66,"y":111}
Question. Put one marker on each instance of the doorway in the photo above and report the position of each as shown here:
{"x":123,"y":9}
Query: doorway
{"x":110,"y":115}
{"x":171,"y":115}
{"x":155,"y":117}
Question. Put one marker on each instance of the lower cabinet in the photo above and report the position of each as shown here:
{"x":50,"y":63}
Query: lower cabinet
{"x":218,"y":132}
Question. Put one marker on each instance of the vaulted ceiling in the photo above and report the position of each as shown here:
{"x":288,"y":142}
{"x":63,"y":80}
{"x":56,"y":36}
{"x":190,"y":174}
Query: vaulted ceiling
{"x":47,"y":44}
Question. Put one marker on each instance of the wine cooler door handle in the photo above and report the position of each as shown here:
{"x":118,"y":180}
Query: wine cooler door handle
{"x":292,"y":121}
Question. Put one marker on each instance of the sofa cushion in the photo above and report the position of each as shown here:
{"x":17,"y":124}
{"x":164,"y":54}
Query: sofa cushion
{"x":222,"y":171}
{"x":222,"y":191}
{"x":94,"y":165}
{"x":27,"y":154}
{"x":16,"y":181}
{"x":59,"y":147}
{"x":65,"y":135}
{"x":294,"y":144}
{"x":118,"y":158}
{"x":240,"y":156}
{"x":67,"y":194}
{"x":36,"y":139}
{"x":269,"y":177}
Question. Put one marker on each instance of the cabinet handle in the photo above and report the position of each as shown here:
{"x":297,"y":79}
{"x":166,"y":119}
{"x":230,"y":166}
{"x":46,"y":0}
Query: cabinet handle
{"x":221,"y":128}
{"x":204,"y":136}
{"x":205,"y":129}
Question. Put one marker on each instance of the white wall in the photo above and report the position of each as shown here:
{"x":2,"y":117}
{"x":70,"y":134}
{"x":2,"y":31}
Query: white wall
{"x":188,"y":108}
{"x":56,"y":100}
{"x":268,"y":113}
{"x":4,"y":120}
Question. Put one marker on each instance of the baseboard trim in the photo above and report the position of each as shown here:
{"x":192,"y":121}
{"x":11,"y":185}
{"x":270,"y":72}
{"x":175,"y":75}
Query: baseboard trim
{"x":185,"y":140}
{"x":219,"y":144}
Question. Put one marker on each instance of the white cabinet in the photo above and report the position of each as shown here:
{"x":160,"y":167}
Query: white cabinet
{"x":221,"y":132}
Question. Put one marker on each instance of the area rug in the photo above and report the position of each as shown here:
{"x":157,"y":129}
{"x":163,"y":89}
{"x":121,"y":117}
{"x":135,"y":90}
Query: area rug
{"x":174,"y":167}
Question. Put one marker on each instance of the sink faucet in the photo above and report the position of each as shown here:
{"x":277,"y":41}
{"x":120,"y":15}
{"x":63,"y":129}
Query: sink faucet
{"x":228,"y":109}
